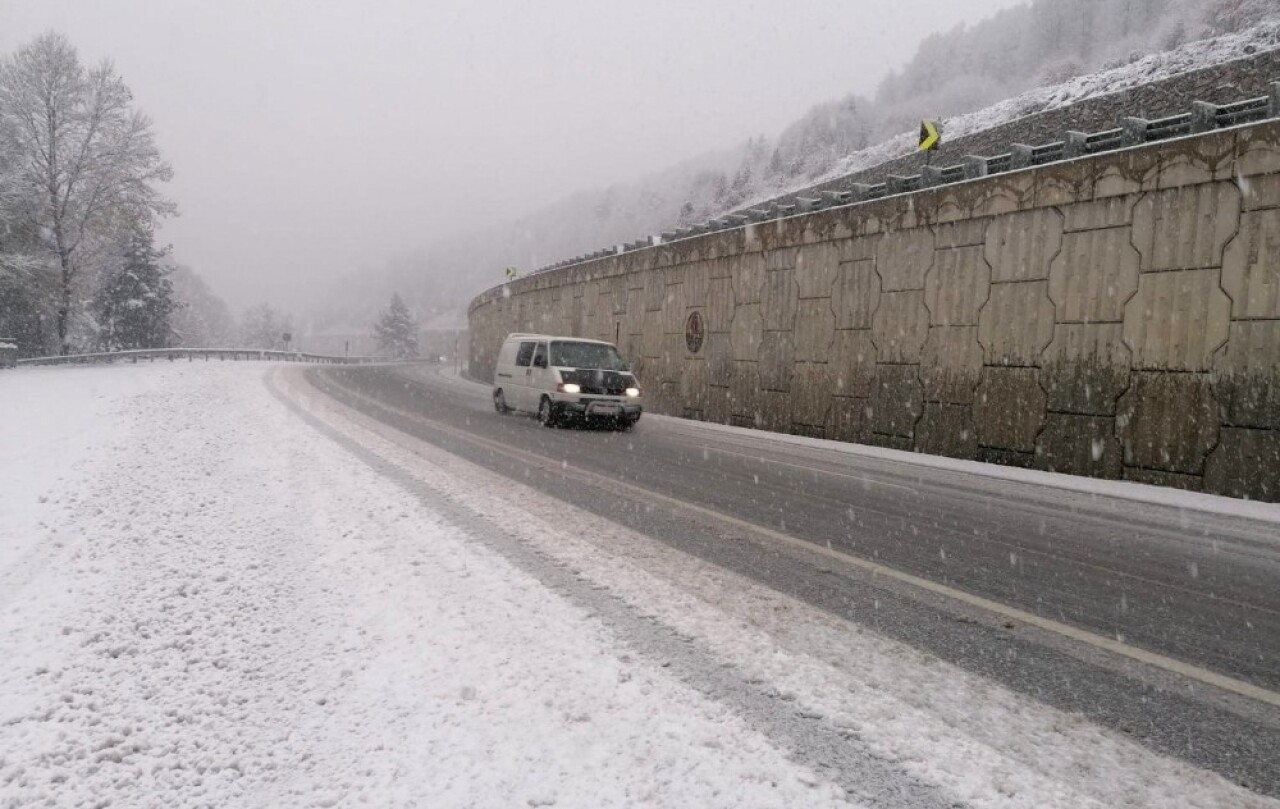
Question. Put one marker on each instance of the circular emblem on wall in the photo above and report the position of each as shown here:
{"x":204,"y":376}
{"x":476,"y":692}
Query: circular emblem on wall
{"x":693,"y":332}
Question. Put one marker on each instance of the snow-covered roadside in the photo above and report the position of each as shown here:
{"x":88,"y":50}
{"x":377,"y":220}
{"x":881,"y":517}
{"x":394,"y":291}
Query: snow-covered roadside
{"x":244,"y":614}
{"x":49,"y":421}
{"x":984,"y":744}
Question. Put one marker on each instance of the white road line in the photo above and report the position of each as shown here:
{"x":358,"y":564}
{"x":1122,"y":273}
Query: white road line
{"x":760,"y":459}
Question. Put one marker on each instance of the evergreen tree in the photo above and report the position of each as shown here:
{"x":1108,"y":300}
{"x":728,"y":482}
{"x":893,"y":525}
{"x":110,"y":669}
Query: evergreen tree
{"x":396,"y":331}
{"x":135,"y":304}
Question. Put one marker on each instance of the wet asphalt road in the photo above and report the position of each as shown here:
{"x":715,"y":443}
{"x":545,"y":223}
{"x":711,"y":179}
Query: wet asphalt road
{"x":1197,"y":587}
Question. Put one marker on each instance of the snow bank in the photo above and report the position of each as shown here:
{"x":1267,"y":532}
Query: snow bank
{"x":242,"y":614}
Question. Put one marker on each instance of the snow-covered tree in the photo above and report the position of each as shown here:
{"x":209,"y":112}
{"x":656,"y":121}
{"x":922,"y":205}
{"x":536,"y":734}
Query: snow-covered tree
{"x":82,"y":162}
{"x":397,"y":331}
{"x":202,"y":319}
{"x":264,"y":327}
{"x":134,"y":306}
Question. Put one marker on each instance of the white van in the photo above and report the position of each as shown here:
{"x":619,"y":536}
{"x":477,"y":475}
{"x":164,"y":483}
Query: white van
{"x":565,"y":379}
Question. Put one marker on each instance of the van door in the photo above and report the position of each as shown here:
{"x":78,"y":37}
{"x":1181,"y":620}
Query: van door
{"x":519,"y":398}
{"x":505,"y":368}
{"x":541,"y":377}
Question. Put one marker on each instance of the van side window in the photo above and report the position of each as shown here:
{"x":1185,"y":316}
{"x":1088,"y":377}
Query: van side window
{"x":540,"y":356}
{"x":524,"y":355}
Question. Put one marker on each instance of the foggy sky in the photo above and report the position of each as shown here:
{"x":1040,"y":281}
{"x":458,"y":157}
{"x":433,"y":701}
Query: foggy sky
{"x":311,"y":139}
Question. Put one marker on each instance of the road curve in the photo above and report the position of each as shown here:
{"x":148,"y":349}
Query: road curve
{"x":1160,"y":621}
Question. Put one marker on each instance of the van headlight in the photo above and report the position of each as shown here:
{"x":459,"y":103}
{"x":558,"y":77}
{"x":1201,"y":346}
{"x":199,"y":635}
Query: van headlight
{"x":633,"y":392}
{"x":569,"y":387}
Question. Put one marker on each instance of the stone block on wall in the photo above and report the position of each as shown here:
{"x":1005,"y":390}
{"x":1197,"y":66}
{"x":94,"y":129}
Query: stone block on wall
{"x":1247,"y":375}
{"x":655,"y":292}
{"x":1004,"y":194}
{"x":693,"y":385}
{"x":1177,"y":320}
{"x":848,"y":419}
{"x":856,"y":294}
{"x":696,"y":282}
{"x":1194,"y":161}
{"x":778,"y":300}
{"x":1086,"y":368}
{"x":1021,"y":246}
{"x":748,"y":278}
{"x":1251,"y":266}
{"x":816,"y":269}
{"x":719,"y":310}
{"x":951,"y":364}
{"x":903,"y":258}
{"x":900,"y":326}
{"x":815,"y":330}
{"x":719,"y":409}
{"x":1185,"y":228}
{"x":777,"y":361}
{"x":1064,"y":183}
{"x":1246,"y":463}
{"x":811,"y":394}
{"x":947,"y":429}
{"x":853,"y":363}
{"x":671,"y":362}
{"x":744,"y":389}
{"x":957,"y":286}
{"x":897,"y":400}
{"x":1093,"y":276}
{"x":1258,"y":151}
{"x":718,"y":353}
{"x":1079,"y":445}
{"x":1126,"y":173}
{"x":746,"y":332}
{"x":967,"y":233}
{"x":1009,"y":408}
{"x":1168,"y":422}
{"x":1111,"y":212}
{"x":1016,"y":324}
{"x":774,"y":412}
{"x":1169,"y":480}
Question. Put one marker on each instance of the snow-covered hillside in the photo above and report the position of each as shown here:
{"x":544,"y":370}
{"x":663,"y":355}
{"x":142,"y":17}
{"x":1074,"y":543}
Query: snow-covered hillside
{"x":1026,"y":60}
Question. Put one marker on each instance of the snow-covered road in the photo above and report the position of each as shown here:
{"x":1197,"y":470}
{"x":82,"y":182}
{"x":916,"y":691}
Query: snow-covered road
{"x":219,"y":588}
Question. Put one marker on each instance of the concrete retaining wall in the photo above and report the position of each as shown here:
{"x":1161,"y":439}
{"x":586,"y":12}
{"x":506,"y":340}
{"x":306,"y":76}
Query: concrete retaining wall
{"x":1115,"y":316}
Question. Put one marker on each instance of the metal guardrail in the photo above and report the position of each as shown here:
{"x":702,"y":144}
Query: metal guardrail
{"x":1132,"y":131}
{"x":191,"y":354}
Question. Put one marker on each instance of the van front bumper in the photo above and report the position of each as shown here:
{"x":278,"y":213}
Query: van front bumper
{"x":601,"y":408}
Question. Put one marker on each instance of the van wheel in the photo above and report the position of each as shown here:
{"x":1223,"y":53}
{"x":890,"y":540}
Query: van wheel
{"x":546,"y":415}
{"x":500,"y":402}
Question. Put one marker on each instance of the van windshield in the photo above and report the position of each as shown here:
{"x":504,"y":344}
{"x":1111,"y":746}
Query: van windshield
{"x":566,"y":354}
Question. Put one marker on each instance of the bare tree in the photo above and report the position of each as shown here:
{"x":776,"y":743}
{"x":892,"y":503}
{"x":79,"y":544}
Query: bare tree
{"x":83,"y":162}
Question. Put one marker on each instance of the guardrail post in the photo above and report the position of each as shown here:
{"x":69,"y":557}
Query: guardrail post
{"x":930,"y":176}
{"x":807,"y":204}
{"x":837,"y":197}
{"x":1273,"y":100}
{"x":1135,"y":131}
{"x":1076,"y":144}
{"x":1204,"y":116}
{"x":975,"y":166}
{"x":896,"y":183}
{"x":1020,"y":156}
{"x":859,"y":192}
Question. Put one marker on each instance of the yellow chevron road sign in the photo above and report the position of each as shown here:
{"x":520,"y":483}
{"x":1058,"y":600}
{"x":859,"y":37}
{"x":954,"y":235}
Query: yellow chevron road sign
{"x":930,"y":135}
